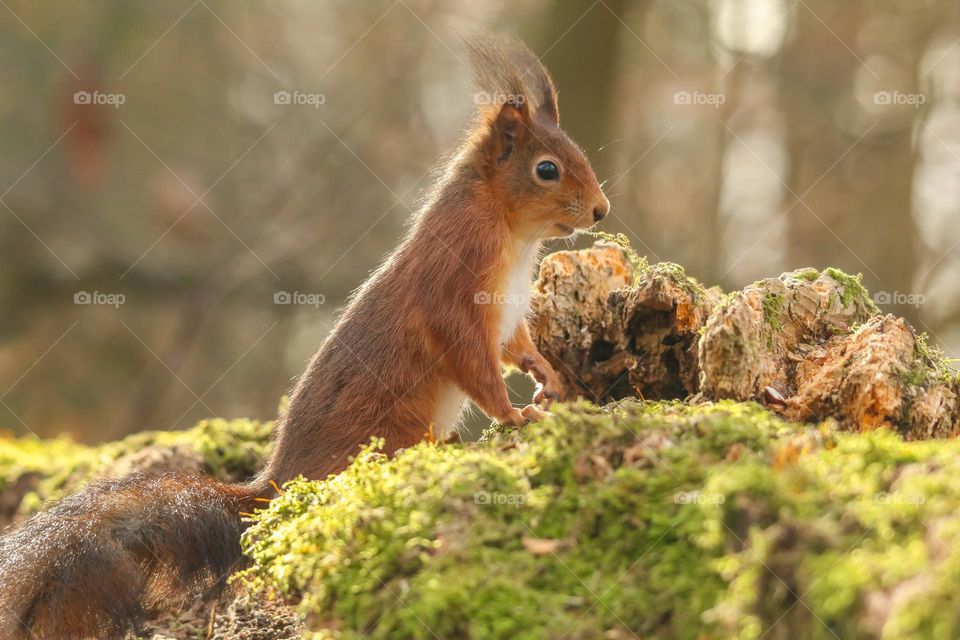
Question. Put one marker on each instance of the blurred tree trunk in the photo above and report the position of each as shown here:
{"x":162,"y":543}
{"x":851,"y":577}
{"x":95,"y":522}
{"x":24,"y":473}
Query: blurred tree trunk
{"x":851,"y":163}
{"x":729,"y":86}
{"x":582,"y":50}
{"x":666,"y":214}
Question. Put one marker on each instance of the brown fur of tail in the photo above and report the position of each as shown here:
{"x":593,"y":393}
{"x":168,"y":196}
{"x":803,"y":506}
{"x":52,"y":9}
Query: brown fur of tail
{"x":96,"y":564}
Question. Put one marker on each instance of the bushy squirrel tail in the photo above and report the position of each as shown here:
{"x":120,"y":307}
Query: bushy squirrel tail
{"x":97,"y":563}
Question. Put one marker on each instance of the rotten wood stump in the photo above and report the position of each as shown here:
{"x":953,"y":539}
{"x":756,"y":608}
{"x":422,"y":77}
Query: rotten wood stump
{"x":612,"y":333}
{"x":810,"y":344}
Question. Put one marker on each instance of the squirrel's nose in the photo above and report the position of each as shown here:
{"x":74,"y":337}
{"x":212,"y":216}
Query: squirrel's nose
{"x":600,"y":211}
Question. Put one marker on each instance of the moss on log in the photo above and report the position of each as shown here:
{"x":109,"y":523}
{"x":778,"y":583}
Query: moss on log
{"x":755,"y":338}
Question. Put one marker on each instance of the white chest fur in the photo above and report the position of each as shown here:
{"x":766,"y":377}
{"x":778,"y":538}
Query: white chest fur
{"x":514,"y":297}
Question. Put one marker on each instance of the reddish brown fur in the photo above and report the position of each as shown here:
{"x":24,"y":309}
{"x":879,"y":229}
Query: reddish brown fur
{"x":99,"y":561}
{"x":412,"y":332}
{"x":415,"y":325}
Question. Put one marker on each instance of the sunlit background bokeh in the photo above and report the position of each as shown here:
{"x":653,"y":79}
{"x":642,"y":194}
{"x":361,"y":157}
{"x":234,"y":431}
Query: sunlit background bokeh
{"x":158,"y":196}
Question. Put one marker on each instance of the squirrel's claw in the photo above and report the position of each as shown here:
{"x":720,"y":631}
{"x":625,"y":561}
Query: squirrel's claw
{"x":545,"y":396}
{"x":533,"y":413}
{"x":548,"y":389}
{"x":523,"y":417}
{"x":515,"y":418}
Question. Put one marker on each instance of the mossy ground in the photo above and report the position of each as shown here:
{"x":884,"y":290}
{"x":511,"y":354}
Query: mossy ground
{"x":654,"y":520}
{"x":661,"y":520}
{"x":49,"y":469}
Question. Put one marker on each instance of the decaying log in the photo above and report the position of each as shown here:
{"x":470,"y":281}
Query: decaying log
{"x":876,"y":376}
{"x":570,"y":313}
{"x":612,"y":333}
{"x":756,"y":337}
{"x":810,"y":344}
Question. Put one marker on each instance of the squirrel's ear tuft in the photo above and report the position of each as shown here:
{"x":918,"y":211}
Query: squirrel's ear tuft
{"x":505,"y":71}
{"x":501,"y":98}
{"x":537,"y":79}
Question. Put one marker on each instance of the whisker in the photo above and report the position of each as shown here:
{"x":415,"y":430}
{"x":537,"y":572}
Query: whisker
{"x":604,"y":146}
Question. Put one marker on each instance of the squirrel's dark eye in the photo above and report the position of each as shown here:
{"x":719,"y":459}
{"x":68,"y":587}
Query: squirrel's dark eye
{"x":547,"y":170}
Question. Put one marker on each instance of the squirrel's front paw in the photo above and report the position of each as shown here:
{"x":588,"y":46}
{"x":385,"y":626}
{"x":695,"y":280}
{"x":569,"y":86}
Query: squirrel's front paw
{"x":515,"y":418}
{"x":547,"y":393}
{"x":533,"y":413}
{"x":549,"y":388}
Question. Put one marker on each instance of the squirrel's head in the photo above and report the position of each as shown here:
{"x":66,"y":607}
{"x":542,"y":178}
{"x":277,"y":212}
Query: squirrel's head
{"x":520,"y":151}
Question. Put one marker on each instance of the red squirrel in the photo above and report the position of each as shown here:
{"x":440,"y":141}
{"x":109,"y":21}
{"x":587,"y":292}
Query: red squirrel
{"x":428,"y":330}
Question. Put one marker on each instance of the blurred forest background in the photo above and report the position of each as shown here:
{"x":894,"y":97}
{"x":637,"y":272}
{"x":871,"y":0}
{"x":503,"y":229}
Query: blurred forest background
{"x":158,"y":197}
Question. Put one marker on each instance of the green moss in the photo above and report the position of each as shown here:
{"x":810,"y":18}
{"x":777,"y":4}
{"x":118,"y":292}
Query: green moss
{"x":809,"y":274}
{"x":773,"y":304}
{"x":668,"y":520}
{"x":853,"y":291}
{"x":638,"y":262}
{"x":852,"y":523}
{"x":229,"y":449}
{"x":672,"y":272}
{"x":931,"y":364}
{"x":723,"y":301}
{"x":664,"y":519}
{"x":436,"y":536}
{"x":21,"y":458}
{"x":656,"y":273}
